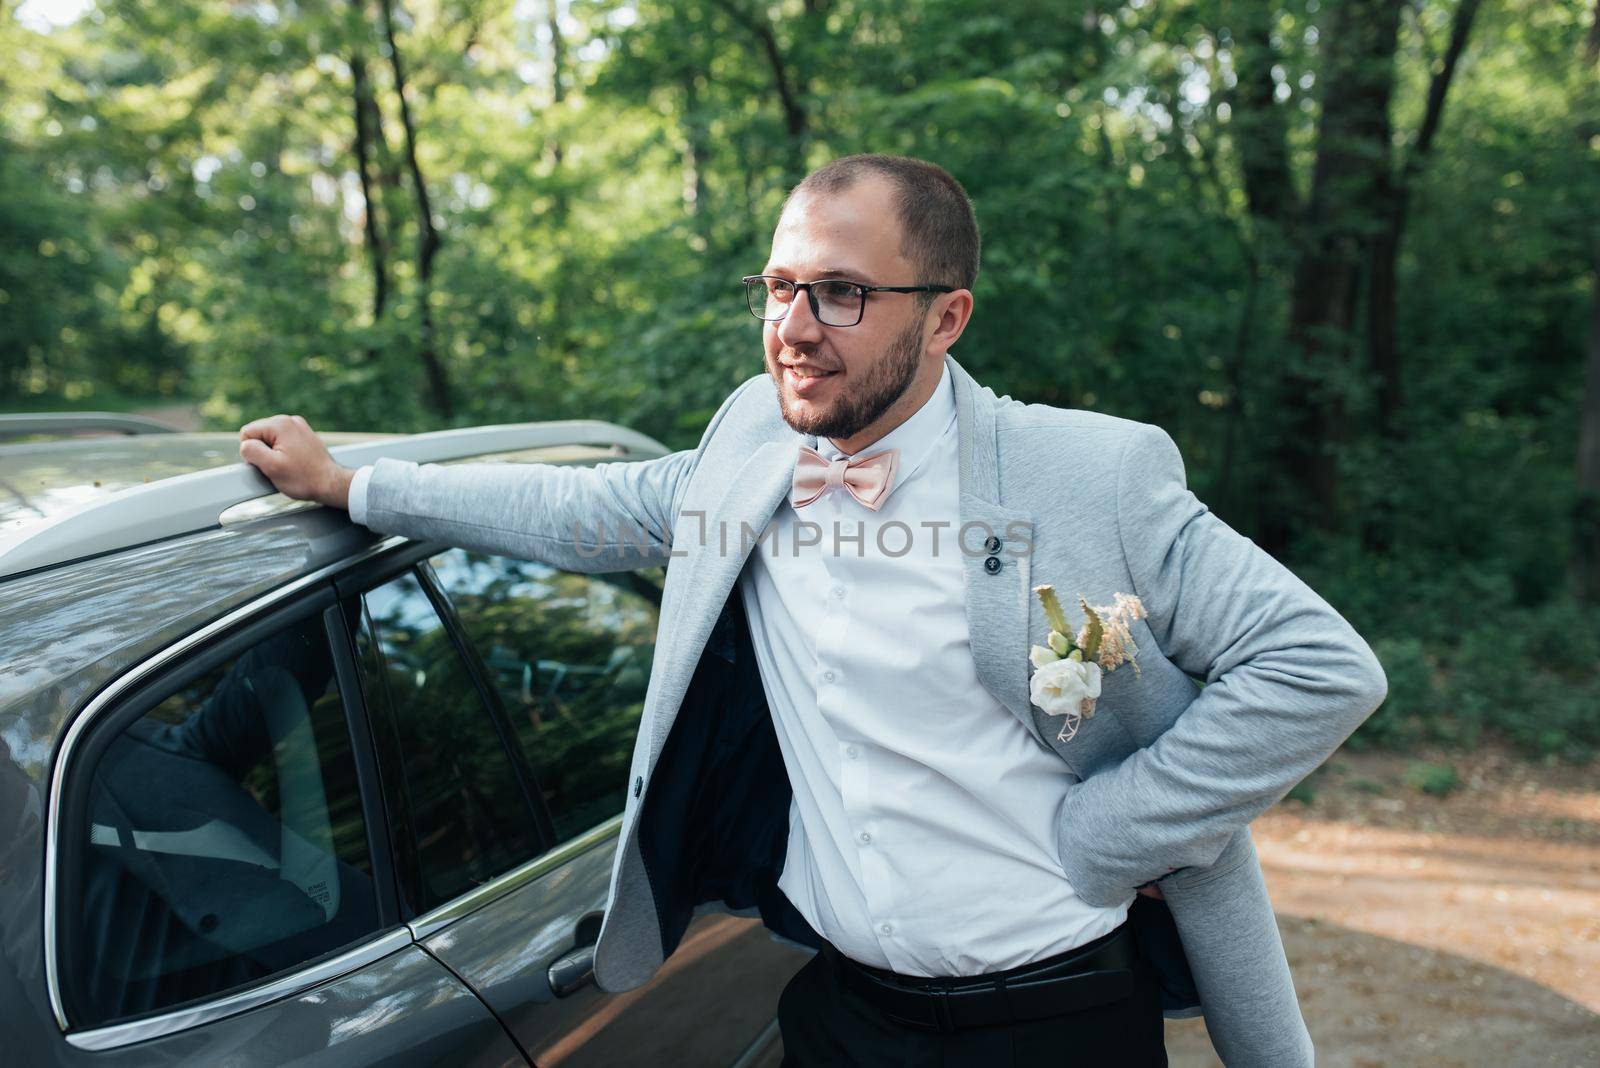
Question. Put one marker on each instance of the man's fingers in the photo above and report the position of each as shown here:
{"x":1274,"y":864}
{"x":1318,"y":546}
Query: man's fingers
{"x":254,"y":451}
{"x":266,"y":429}
{"x":274,"y":428}
{"x":289,"y":453}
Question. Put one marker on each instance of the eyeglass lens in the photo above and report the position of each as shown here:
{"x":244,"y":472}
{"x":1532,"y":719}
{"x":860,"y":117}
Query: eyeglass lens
{"x":837,"y":303}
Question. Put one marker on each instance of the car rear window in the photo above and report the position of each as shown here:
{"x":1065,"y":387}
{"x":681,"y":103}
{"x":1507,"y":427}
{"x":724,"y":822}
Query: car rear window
{"x":222,"y":837}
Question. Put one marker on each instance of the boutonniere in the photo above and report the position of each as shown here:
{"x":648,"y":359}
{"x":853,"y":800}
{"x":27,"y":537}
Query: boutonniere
{"x":1066,"y":677}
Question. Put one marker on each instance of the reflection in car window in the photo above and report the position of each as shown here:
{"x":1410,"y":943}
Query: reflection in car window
{"x":570,"y":655}
{"x":471,"y":818}
{"x":225,"y":836}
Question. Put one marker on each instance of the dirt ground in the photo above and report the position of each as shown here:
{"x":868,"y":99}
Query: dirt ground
{"x":1437,"y":931}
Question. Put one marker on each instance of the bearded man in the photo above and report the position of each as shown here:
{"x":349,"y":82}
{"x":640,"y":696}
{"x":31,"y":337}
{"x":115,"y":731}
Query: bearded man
{"x":839,"y":734}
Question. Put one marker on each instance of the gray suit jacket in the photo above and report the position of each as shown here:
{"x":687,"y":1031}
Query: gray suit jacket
{"x":1171,"y":773}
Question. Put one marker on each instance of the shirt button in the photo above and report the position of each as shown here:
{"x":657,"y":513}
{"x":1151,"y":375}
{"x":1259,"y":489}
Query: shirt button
{"x":865,"y":838}
{"x":992,"y":544}
{"x":827,"y":676}
{"x":992,"y":565}
{"x":838,"y":591}
{"x":850,"y":751}
{"x":887,"y":928}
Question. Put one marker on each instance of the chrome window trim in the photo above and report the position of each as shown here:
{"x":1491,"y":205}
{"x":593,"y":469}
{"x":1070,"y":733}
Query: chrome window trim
{"x":434,"y":921}
{"x":759,"y":1046}
{"x":142,"y":1030}
{"x":114,"y":690}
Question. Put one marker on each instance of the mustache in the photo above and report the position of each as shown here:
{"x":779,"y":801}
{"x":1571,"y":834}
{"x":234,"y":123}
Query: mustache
{"x":801,"y":358}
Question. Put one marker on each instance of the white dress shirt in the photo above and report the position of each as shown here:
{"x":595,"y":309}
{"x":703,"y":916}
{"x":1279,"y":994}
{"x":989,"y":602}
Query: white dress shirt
{"x":922,"y":831}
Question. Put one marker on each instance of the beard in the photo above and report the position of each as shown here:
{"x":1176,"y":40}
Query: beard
{"x":884,"y":383}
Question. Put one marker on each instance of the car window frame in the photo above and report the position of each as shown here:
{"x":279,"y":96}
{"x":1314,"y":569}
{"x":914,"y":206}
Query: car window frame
{"x":486,"y":680}
{"x":352,"y":586}
{"x":387,"y":556}
{"x":98,"y":727}
{"x":490,"y":695}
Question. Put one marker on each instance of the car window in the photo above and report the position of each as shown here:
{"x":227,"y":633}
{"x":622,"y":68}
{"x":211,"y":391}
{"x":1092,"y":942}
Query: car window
{"x":570,"y":657}
{"x":223,"y":838}
{"x":469,"y":807}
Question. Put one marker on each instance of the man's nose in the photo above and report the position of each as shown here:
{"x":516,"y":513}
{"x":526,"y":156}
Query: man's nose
{"x":800,"y":325}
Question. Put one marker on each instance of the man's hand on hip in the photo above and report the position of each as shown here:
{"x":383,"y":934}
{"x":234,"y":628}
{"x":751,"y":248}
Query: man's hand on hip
{"x":289,"y":453}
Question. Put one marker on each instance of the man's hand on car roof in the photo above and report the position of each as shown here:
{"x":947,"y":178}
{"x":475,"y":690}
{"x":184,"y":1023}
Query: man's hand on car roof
{"x":288,"y":451}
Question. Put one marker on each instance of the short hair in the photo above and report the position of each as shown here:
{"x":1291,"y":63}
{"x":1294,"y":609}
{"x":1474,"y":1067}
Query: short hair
{"x":938,"y":227}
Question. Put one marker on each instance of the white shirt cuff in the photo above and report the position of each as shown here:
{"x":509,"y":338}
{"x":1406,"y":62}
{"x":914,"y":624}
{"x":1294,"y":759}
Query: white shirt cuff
{"x":358,"y":494}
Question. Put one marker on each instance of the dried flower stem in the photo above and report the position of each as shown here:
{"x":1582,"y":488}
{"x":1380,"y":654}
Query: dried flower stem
{"x":1052,"y":610}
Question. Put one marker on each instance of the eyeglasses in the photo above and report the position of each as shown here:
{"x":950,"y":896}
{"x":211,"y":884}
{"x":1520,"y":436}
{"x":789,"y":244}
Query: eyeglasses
{"x":834,"y":301}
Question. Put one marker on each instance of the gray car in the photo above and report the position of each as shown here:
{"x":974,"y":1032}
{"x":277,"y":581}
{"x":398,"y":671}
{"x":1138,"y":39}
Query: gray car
{"x":277,"y":790}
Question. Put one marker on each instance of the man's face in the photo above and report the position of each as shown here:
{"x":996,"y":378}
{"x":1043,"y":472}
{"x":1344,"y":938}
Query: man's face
{"x":836,"y":381}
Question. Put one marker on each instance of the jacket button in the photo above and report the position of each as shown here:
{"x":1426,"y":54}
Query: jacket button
{"x":638,"y":785}
{"x":992,"y":545}
{"x":992,"y":565}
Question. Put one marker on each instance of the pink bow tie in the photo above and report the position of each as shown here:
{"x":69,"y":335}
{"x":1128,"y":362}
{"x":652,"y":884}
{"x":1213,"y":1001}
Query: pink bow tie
{"x":868,"y":479}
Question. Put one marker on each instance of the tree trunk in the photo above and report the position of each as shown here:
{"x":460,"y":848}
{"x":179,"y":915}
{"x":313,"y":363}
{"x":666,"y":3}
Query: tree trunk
{"x":1267,"y":238}
{"x":1345,"y":207}
{"x":366,"y":113}
{"x":696,"y":149}
{"x":427,"y":234}
{"x":1586,"y":515}
{"x":1259,"y":127}
{"x":558,"y":61}
{"x":1384,"y":357}
{"x":1586,"y":518}
{"x":790,"y":87}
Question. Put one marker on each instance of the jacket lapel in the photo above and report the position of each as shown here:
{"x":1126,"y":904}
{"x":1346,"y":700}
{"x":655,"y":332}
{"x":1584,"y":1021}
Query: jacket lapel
{"x":997,"y":598}
{"x":717,"y":555}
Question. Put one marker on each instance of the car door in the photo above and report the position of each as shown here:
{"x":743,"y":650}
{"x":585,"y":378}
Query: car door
{"x":567,"y":659}
{"x":224,"y":892}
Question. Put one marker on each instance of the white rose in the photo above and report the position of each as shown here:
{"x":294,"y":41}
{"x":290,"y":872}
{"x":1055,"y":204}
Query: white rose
{"x":1066,"y":686}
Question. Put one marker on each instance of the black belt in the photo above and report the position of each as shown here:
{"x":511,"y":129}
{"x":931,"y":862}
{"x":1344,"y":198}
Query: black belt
{"x":1092,"y":974}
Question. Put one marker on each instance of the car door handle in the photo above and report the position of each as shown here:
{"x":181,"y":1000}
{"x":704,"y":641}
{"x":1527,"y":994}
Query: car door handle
{"x":572,"y":972}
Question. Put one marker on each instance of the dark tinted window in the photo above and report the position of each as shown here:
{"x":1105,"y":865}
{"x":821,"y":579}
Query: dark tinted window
{"x":224,"y":838}
{"x":570,"y":656}
{"x":470,"y":815}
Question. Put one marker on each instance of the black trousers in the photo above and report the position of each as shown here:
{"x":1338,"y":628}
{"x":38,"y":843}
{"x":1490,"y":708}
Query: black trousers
{"x":825,"y":1025}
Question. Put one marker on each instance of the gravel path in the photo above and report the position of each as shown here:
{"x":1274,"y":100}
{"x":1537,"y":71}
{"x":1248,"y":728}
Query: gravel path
{"x":1438,"y":931}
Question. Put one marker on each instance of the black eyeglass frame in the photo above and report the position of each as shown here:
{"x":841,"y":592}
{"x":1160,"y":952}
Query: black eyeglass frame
{"x":862,"y":290}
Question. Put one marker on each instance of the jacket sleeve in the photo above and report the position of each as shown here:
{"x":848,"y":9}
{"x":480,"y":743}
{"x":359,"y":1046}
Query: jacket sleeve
{"x":608,"y":517}
{"x":1287,"y":680}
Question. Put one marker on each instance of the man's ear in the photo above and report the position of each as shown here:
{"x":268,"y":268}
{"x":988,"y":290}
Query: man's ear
{"x":950,"y":315}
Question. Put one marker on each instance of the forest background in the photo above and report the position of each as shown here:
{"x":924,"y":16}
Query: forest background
{"x":1344,"y":251}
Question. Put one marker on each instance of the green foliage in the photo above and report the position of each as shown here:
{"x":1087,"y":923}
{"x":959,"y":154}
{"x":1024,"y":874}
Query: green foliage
{"x":181,"y":217}
{"x":1529,"y":675}
{"x":1302,"y":791}
{"x":1439,"y":780}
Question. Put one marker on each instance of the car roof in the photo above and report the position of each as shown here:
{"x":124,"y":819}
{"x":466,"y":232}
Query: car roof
{"x":80,"y":521}
{"x":69,"y":626}
{"x":43,"y":479}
